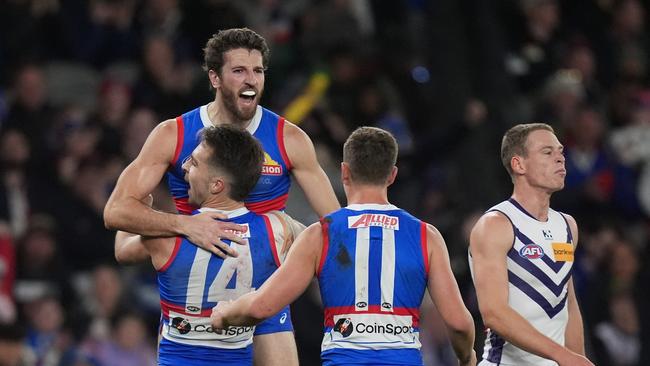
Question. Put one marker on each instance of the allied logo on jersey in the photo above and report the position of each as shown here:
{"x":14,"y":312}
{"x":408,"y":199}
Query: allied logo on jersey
{"x":531,"y":251}
{"x":182,"y":325}
{"x":368,"y":220}
{"x":547,"y":234}
{"x":244,"y":233}
{"x":344,"y":326}
{"x":270,"y":166}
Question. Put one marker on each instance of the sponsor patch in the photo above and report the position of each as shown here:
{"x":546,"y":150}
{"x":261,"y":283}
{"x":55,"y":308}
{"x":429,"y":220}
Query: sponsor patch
{"x":270,"y":166}
{"x":368,"y":220}
{"x":563,"y":252}
{"x":531,"y":251}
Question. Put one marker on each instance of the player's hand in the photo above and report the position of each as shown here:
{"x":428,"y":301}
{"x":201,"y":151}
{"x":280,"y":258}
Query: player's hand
{"x":206,"y":231}
{"x":471,"y":362}
{"x":217,"y":317}
{"x":573,"y":359}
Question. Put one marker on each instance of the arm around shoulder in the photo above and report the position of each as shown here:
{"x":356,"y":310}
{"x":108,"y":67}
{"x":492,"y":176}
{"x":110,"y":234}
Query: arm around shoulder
{"x":124,"y":209}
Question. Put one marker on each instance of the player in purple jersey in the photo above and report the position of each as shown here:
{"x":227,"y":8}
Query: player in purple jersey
{"x":221,"y":172}
{"x":374,"y":262}
{"x":235,"y":61}
{"x":533,"y":156}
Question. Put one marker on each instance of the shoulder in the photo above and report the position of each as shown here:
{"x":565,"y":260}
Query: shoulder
{"x":493,"y":229}
{"x":294,"y":134}
{"x":573,"y":225}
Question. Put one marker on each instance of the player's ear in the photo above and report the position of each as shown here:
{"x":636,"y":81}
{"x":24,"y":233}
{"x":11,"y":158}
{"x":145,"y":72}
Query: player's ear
{"x":215,"y":80}
{"x":345,"y":173}
{"x":517,"y":164}
{"x":392,"y":176}
{"x":217,"y":185}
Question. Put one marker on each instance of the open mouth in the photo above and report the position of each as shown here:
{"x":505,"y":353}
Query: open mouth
{"x":248,"y":95}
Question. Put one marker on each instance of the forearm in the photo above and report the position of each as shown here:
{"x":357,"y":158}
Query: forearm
{"x":242,"y":311}
{"x":574,"y":336}
{"x":130,"y":214}
{"x":514,"y":328}
{"x":129,"y":249}
{"x":462,"y":340}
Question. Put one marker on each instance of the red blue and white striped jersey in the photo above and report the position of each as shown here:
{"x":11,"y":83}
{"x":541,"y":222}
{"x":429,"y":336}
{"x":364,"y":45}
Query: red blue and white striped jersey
{"x":271,"y":191}
{"x":372,"y":276}
{"x":193,"y":281}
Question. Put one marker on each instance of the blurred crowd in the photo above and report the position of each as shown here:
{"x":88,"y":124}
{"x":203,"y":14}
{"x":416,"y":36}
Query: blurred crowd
{"x":83,"y":82}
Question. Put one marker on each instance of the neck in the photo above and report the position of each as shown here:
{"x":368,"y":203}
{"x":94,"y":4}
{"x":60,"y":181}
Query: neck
{"x":219,"y":114}
{"x":360,"y":194}
{"x":535,"y":201}
{"x":219,"y":202}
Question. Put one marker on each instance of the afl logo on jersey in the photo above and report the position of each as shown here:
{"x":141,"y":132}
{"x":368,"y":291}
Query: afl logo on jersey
{"x":270,"y":166}
{"x":531,"y":251}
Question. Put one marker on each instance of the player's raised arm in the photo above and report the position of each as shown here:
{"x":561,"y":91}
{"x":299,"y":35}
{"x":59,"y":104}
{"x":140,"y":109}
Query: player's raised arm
{"x":281,"y":289}
{"x":125,"y":210}
{"x":490,"y":241}
{"x":445,"y":294}
{"x":308,"y":172}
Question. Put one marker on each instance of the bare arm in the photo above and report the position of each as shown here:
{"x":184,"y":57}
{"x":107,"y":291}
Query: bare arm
{"x":129,"y":248}
{"x":308,"y":172}
{"x":125,"y":210}
{"x":490,"y":241}
{"x":281,"y":289}
{"x":574,"y":338}
{"x":445,"y":294}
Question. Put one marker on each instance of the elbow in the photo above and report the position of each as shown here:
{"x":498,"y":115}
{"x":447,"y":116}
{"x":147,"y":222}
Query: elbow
{"x":120,"y":256}
{"x":463,"y":324}
{"x":110,"y":220}
{"x":491,"y":319}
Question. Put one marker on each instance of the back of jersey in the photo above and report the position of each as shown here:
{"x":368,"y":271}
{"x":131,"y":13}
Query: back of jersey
{"x":372,"y":275}
{"x":193,"y":281}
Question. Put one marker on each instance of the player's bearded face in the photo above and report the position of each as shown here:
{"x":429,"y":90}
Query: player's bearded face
{"x":242,"y":83}
{"x":241,"y":107}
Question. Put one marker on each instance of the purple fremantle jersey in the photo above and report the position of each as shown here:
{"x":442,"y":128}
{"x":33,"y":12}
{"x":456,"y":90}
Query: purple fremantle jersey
{"x":193,"y":281}
{"x":372,"y":275}
{"x":271,"y":191}
{"x":539,"y":266}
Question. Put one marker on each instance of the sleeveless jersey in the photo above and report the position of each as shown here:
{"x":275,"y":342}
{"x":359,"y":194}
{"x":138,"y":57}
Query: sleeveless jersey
{"x":539,"y":267}
{"x":372,"y":275}
{"x":193,"y":281}
{"x":271,"y":191}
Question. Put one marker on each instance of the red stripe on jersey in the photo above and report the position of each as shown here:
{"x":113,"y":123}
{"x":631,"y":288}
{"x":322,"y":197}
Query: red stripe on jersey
{"x":180,"y":135}
{"x":274,"y":249}
{"x":275,"y":204}
{"x":425,"y":246}
{"x":171,"y":258}
{"x":283,"y":151}
{"x":326,"y":243}
{"x":372,"y":309}
{"x":167,"y":306}
{"x":184,"y":207}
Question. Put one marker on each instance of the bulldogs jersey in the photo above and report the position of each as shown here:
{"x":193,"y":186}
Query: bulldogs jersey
{"x":193,"y":281}
{"x":372,"y":276}
{"x":271,"y":191}
{"x":539,"y":267}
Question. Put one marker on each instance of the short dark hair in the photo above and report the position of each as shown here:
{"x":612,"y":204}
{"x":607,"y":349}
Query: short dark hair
{"x":236,"y":153}
{"x":514,"y":142}
{"x":230,"y":39}
{"x":371,"y":154}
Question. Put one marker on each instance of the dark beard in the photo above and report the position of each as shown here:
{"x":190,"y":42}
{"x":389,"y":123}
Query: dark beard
{"x":230,"y":102}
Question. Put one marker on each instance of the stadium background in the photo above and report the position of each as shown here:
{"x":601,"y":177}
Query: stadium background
{"x":83,"y":82}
